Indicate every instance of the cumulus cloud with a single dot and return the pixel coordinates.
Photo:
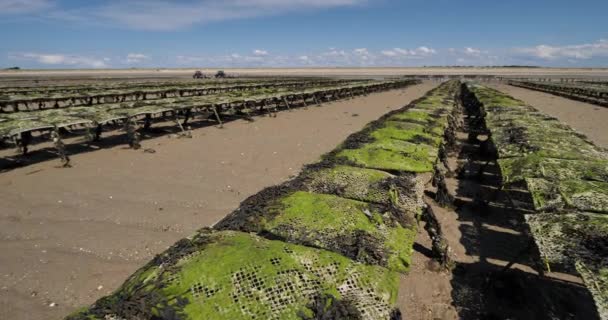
(389, 53)
(472, 52)
(361, 52)
(62, 60)
(334, 53)
(304, 58)
(363, 56)
(338, 57)
(425, 51)
(332, 57)
(260, 53)
(230, 60)
(136, 57)
(419, 52)
(23, 6)
(473, 56)
(577, 52)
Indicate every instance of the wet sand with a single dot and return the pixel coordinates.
(586, 118)
(70, 236)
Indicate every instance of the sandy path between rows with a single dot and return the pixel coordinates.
(70, 236)
(586, 118)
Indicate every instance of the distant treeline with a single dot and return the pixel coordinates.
(489, 67)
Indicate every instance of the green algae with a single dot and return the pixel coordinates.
(519, 130)
(549, 148)
(580, 195)
(563, 237)
(441, 96)
(102, 91)
(14, 123)
(392, 155)
(503, 101)
(355, 183)
(414, 133)
(416, 115)
(233, 275)
(404, 192)
(433, 101)
(490, 97)
(518, 138)
(596, 279)
(586, 195)
(567, 178)
(350, 227)
(406, 141)
(535, 166)
(545, 195)
(576, 242)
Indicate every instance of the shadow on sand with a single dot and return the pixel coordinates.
(114, 135)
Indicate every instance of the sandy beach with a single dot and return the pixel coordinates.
(71, 236)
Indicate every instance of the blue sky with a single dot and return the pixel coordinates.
(280, 33)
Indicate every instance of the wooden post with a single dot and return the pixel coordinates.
(60, 147)
(286, 103)
(98, 132)
(217, 116)
(23, 142)
(315, 98)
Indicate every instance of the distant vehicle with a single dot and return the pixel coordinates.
(220, 74)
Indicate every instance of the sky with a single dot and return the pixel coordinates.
(302, 33)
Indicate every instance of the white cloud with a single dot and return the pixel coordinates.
(363, 56)
(62, 60)
(404, 52)
(231, 60)
(338, 57)
(471, 56)
(472, 52)
(332, 57)
(361, 52)
(23, 6)
(173, 15)
(260, 53)
(334, 53)
(481, 57)
(574, 52)
(304, 60)
(417, 53)
(425, 51)
(136, 57)
(359, 57)
(388, 53)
